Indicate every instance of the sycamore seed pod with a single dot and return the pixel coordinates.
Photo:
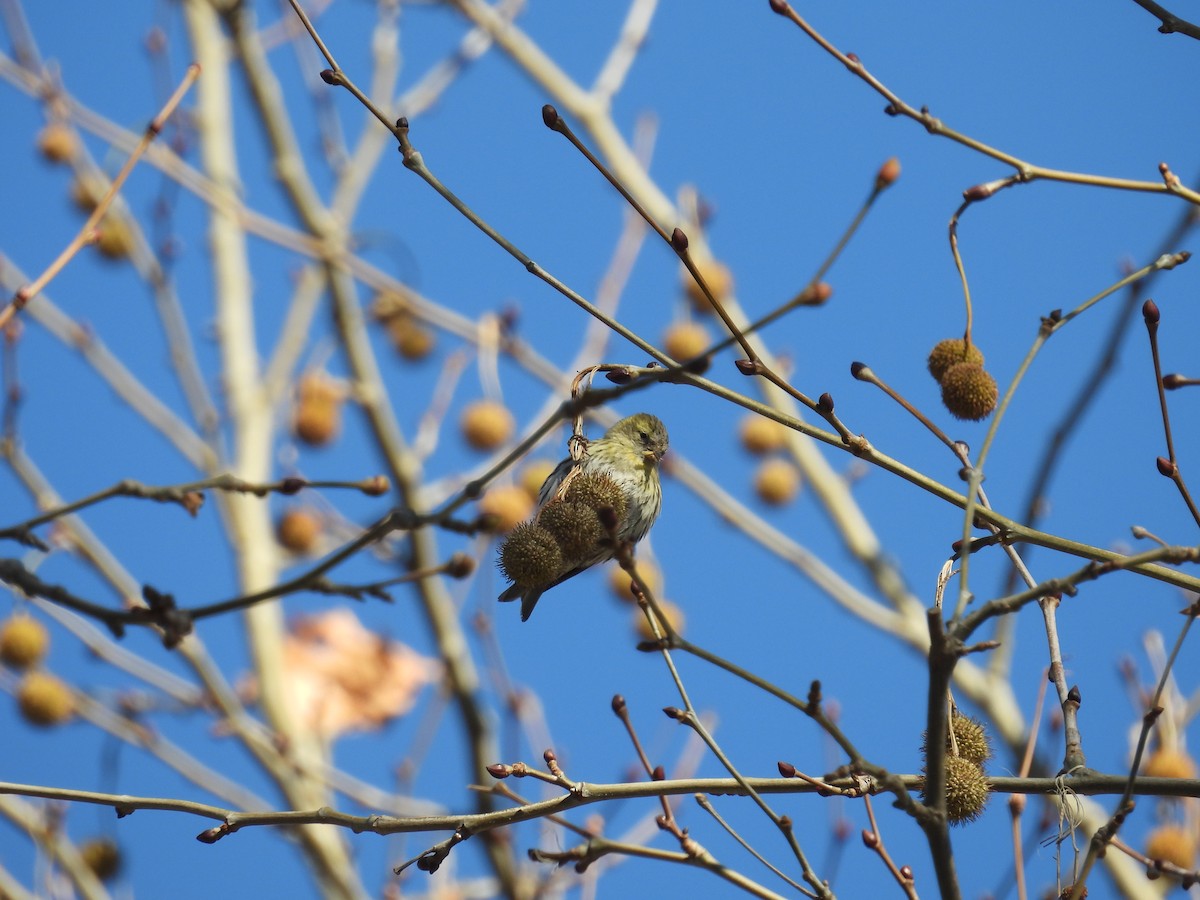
(969, 392)
(966, 791)
(1172, 844)
(949, 353)
(44, 700)
(970, 737)
(530, 555)
(23, 642)
(596, 491)
(575, 526)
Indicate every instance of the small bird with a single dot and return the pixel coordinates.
(628, 455)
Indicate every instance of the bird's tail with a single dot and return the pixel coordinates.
(528, 597)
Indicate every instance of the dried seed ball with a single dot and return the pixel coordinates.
(776, 482)
(530, 555)
(969, 392)
(56, 142)
(761, 436)
(299, 530)
(670, 610)
(1068, 892)
(102, 856)
(84, 196)
(115, 238)
(718, 278)
(951, 352)
(44, 700)
(1170, 762)
(23, 642)
(317, 418)
(684, 340)
(971, 738)
(576, 528)
(534, 475)
(596, 491)
(966, 791)
(487, 425)
(411, 338)
(621, 582)
(506, 507)
(1172, 844)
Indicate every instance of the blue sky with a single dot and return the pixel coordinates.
(784, 144)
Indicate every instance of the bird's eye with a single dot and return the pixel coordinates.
(645, 438)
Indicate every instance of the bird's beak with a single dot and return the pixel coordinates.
(651, 456)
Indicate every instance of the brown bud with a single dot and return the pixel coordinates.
(376, 486)
(1150, 312)
(1166, 468)
(786, 769)
(815, 294)
(888, 173)
(460, 565)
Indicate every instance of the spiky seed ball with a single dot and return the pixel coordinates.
(115, 238)
(684, 340)
(409, 336)
(487, 425)
(776, 482)
(23, 642)
(530, 555)
(1067, 892)
(670, 610)
(949, 353)
(966, 791)
(1170, 762)
(971, 738)
(102, 856)
(761, 436)
(299, 530)
(1172, 844)
(622, 584)
(596, 490)
(534, 475)
(969, 392)
(56, 142)
(44, 700)
(505, 506)
(317, 418)
(576, 528)
(718, 278)
(84, 196)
